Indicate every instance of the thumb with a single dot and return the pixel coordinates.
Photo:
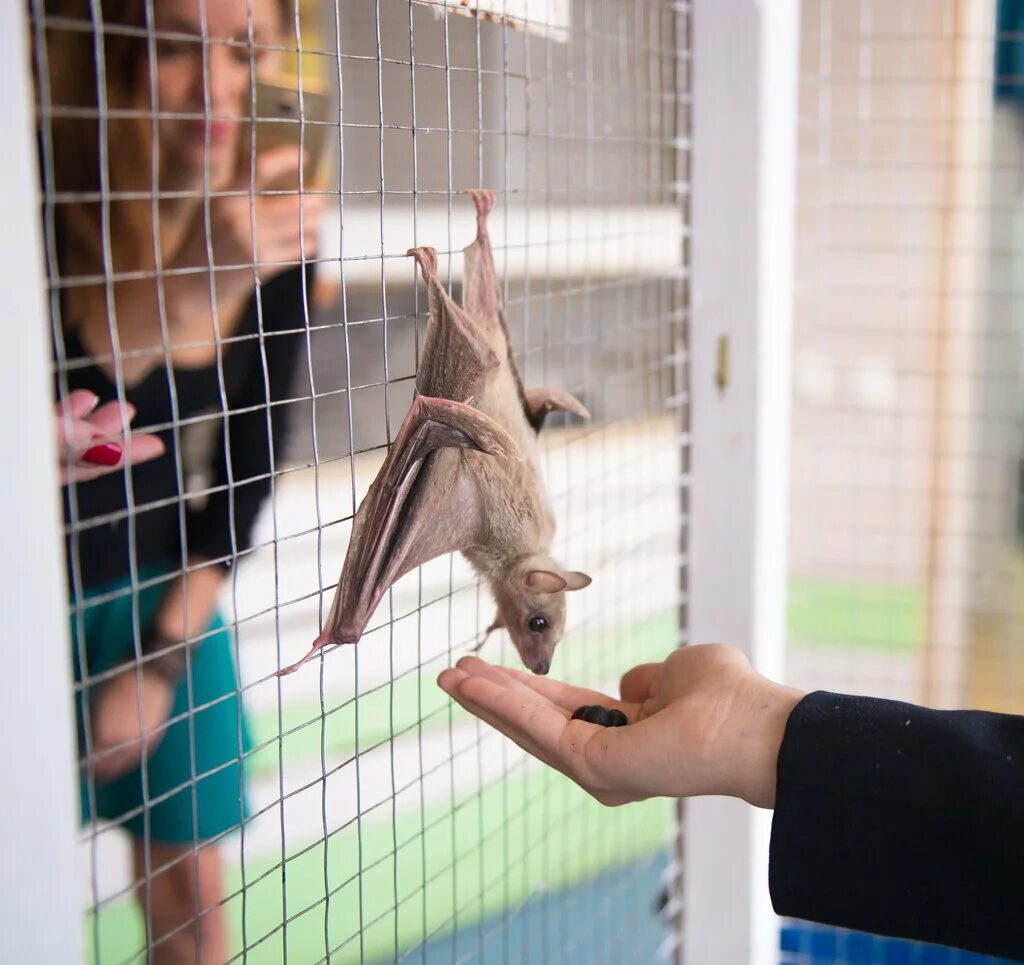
(637, 684)
(273, 165)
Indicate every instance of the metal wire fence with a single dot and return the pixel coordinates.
(233, 267)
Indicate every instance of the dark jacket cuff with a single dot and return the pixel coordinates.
(900, 820)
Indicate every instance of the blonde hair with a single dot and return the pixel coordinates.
(77, 135)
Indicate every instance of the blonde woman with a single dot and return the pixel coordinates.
(158, 215)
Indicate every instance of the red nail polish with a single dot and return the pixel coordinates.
(105, 454)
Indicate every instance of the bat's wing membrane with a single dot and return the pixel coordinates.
(457, 357)
(421, 505)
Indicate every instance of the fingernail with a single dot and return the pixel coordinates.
(105, 454)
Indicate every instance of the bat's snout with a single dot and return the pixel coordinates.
(541, 666)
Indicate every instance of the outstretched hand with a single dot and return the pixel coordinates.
(702, 721)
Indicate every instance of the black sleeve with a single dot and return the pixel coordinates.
(894, 819)
(236, 497)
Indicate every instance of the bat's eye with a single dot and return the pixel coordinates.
(538, 624)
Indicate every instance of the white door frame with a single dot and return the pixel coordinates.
(40, 912)
(745, 58)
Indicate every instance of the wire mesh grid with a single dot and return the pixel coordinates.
(906, 562)
(244, 286)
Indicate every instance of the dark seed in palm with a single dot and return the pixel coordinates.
(602, 716)
(616, 718)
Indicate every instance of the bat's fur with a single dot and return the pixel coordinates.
(462, 473)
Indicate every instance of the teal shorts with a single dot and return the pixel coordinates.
(193, 788)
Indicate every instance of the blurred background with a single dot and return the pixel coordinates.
(907, 471)
(386, 825)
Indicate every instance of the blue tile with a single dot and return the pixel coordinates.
(937, 955)
(823, 945)
(860, 948)
(898, 952)
(790, 939)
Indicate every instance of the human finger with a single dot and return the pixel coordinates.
(545, 735)
(275, 163)
(636, 684)
(111, 417)
(287, 215)
(103, 458)
(141, 447)
(562, 694)
(79, 403)
(523, 714)
(452, 682)
(518, 713)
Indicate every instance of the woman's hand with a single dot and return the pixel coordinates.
(115, 716)
(274, 231)
(90, 441)
(703, 721)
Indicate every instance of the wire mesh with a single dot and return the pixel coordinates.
(263, 320)
(906, 562)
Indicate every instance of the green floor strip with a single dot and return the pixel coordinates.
(877, 617)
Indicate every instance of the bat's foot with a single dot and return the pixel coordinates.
(484, 202)
(602, 716)
(426, 258)
(498, 624)
(542, 400)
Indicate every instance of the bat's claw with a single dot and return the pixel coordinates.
(426, 258)
(484, 202)
(319, 643)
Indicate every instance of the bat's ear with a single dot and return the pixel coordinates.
(545, 581)
(575, 580)
(548, 581)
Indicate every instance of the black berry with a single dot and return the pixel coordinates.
(603, 716)
(616, 718)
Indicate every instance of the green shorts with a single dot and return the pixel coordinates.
(193, 787)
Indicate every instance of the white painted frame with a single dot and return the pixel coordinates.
(40, 911)
(745, 59)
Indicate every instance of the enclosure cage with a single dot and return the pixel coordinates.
(379, 821)
(773, 250)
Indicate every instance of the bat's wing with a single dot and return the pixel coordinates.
(545, 399)
(423, 504)
(457, 358)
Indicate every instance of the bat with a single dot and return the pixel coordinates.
(462, 472)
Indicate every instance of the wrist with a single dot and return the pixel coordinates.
(163, 655)
(765, 707)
